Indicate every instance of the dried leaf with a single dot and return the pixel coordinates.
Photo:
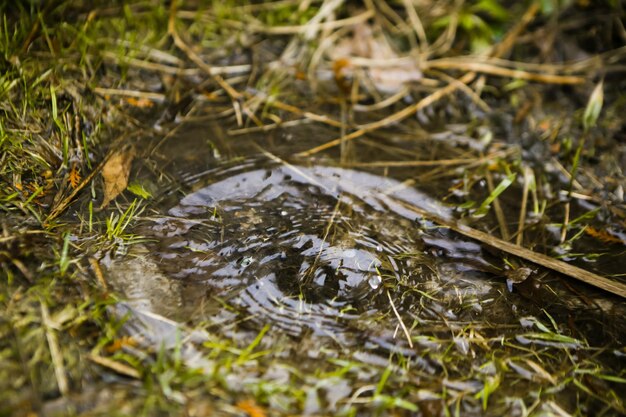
(251, 408)
(74, 177)
(603, 235)
(118, 344)
(115, 173)
(540, 372)
(518, 275)
(339, 70)
(388, 71)
(139, 102)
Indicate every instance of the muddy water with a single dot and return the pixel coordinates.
(336, 267)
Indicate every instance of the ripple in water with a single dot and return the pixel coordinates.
(309, 249)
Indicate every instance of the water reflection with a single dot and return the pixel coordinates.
(310, 249)
(317, 253)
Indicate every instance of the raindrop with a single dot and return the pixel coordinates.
(375, 281)
(246, 261)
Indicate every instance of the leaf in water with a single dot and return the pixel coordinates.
(594, 106)
(139, 190)
(603, 235)
(115, 173)
(491, 384)
(555, 339)
(517, 276)
(504, 184)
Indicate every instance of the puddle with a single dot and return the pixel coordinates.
(334, 266)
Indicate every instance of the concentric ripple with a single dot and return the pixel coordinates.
(305, 249)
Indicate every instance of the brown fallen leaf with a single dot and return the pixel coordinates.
(603, 235)
(118, 344)
(139, 102)
(115, 173)
(74, 177)
(388, 71)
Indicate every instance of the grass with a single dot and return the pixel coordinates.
(77, 79)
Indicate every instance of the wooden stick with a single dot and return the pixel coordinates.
(572, 271)
(395, 312)
(396, 117)
(429, 163)
(503, 72)
(528, 174)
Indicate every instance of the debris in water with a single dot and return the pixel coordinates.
(516, 276)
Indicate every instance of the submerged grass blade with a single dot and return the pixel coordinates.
(501, 187)
(247, 352)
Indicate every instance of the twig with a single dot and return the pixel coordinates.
(404, 329)
(465, 89)
(497, 208)
(267, 127)
(418, 27)
(396, 117)
(97, 270)
(528, 173)
(484, 68)
(434, 162)
(513, 34)
(292, 109)
(572, 271)
(118, 367)
(129, 93)
(383, 103)
(169, 69)
(326, 10)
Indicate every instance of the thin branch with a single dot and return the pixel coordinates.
(614, 287)
(404, 329)
(502, 72)
(396, 117)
